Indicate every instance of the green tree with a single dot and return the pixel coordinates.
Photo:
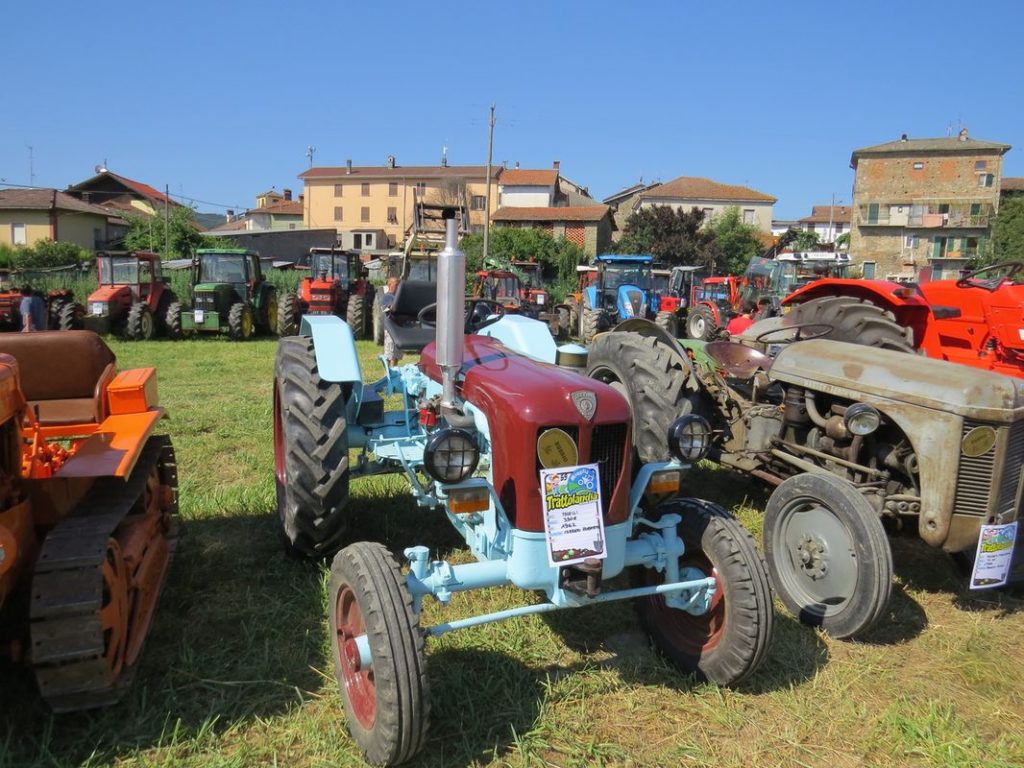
(735, 243)
(44, 254)
(843, 242)
(146, 233)
(1007, 234)
(671, 235)
(806, 240)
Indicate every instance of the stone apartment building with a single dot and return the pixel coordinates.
(923, 204)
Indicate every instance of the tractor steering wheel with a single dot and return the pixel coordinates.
(1007, 270)
(477, 314)
(818, 330)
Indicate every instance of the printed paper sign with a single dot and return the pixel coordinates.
(571, 498)
(995, 553)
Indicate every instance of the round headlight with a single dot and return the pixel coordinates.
(451, 455)
(689, 438)
(861, 419)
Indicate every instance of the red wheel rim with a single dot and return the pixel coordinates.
(692, 634)
(358, 683)
(279, 463)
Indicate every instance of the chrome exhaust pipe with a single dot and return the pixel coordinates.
(451, 317)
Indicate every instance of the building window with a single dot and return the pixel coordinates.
(869, 270)
(980, 165)
(18, 236)
(985, 179)
(368, 238)
(873, 213)
(337, 213)
(421, 188)
(337, 189)
(478, 203)
(911, 241)
(748, 216)
(393, 189)
(971, 247)
(364, 213)
(919, 166)
(357, 241)
(366, 189)
(291, 226)
(392, 215)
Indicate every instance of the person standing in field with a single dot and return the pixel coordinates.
(387, 300)
(33, 311)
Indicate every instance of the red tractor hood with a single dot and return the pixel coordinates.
(107, 293)
(521, 399)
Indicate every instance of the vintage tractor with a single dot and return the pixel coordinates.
(63, 312)
(848, 435)
(337, 285)
(977, 320)
(230, 295)
(133, 299)
(87, 514)
(621, 290)
(531, 463)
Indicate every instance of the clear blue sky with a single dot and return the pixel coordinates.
(219, 100)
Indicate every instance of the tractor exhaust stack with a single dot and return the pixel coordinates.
(451, 310)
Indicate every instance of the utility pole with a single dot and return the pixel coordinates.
(31, 168)
(830, 210)
(167, 221)
(487, 199)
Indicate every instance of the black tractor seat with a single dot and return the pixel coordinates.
(402, 323)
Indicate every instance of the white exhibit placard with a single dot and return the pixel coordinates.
(571, 498)
(994, 556)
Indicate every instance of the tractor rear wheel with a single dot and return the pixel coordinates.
(855, 321)
(70, 316)
(827, 554)
(387, 703)
(355, 316)
(700, 323)
(656, 381)
(667, 322)
(378, 319)
(172, 321)
(726, 644)
(240, 324)
(141, 326)
(289, 312)
(270, 314)
(590, 324)
(310, 451)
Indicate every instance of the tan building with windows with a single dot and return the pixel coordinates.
(712, 198)
(587, 226)
(30, 215)
(923, 204)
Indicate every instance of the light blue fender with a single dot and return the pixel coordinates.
(528, 337)
(336, 358)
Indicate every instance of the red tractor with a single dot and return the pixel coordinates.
(63, 313)
(133, 299)
(337, 285)
(977, 320)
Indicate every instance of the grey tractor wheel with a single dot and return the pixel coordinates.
(728, 643)
(172, 321)
(240, 322)
(656, 381)
(828, 556)
(667, 322)
(70, 317)
(855, 321)
(574, 317)
(310, 451)
(141, 325)
(355, 316)
(289, 314)
(387, 704)
(590, 324)
(378, 320)
(700, 323)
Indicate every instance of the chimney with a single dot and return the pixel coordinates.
(556, 164)
(230, 215)
(517, 165)
(302, 198)
(903, 137)
(391, 161)
(963, 134)
(348, 164)
(287, 195)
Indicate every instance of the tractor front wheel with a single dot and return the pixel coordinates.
(355, 316)
(172, 321)
(590, 324)
(70, 316)
(728, 642)
(289, 312)
(240, 323)
(141, 326)
(700, 323)
(387, 702)
(310, 451)
(667, 322)
(827, 553)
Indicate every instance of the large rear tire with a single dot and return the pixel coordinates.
(356, 315)
(700, 323)
(270, 313)
(172, 321)
(828, 556)
(240, 322)
(726, 644)
(70, 317)
(656, 381)
(289, 313)
(141, 325)
(855, 321)
(310, 451)
(387, 705)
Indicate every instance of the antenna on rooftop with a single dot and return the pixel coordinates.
(310, 151)
(31, 168)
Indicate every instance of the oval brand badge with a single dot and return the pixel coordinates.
(978, 442)
(555, 448)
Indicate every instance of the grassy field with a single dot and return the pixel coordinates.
(236, 671)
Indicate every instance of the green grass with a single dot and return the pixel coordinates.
(237, 673)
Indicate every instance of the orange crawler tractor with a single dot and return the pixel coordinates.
(88, 501)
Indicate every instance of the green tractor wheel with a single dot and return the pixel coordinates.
(240, 322)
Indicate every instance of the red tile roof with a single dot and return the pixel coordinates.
(399, 171)
(528, 178)
(581, 213)
(823, 214)
(283, 208)
(47, 199)
(230, 226)
(143, 190)
(696, 188)
(1012, 183)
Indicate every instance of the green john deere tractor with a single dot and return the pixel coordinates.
(229, 294)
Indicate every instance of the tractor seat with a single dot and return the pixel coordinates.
(64, 374)
(411, 297)
(738, 361)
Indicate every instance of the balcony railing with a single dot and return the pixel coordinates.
(927, 217)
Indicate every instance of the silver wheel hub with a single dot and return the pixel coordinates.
(813, 557)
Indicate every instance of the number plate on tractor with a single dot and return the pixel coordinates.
(96, 308)
(199, 315)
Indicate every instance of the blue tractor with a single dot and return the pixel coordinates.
(532, 463)
(621, 290)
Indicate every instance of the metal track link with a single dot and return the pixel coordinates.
(67, 637)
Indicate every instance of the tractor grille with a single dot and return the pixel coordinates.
(205, 300)
(998, 469)
(607, 450)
